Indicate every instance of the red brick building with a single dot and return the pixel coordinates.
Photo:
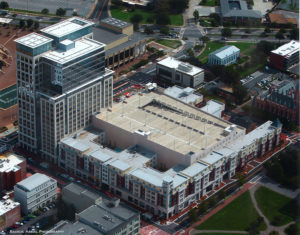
(10, 213)
(12, 170)
(285, 56)
(283, 102)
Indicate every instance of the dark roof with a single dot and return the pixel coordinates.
(277, 123)
(240, 120)
(106, 36)
(133, 39)
(226, 11)
(285, 100)
(73, 228)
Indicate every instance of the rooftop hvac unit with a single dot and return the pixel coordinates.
(185, 67)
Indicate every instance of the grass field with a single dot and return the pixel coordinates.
(122, 14)
(212, 46)
(274, 204)
(238, 215)
(8, 97)
(208, 3)
(169, 43)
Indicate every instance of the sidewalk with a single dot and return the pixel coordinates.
(218, 208)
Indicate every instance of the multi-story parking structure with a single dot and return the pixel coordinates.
(192, 152)
(62, 81)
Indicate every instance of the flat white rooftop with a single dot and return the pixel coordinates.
(287, 49)
(186, 95)
(167, 122)
(225, 51)
(9, 162)
(67, 26)
(186, 68)
(33, 40)
(214, 107)
(34, 181)
(82, 47)
(7, 205)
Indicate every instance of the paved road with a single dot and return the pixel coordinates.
(101, 10)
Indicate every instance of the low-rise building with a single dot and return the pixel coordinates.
(104, 218)
(80, 196)
(186, 95)
(174, 71)
(281, 19)
(12, 170)
(122, 44)
(10, 213)
(285, 56)
(224, 56)
(237, 12)
(214, 107)
(35, 191)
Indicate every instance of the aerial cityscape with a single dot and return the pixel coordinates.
(149, 117)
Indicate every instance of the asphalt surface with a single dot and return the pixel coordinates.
(82, 7)
(101, 10)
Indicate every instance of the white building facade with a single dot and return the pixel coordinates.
(35, 192)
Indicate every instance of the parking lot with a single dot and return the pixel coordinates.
(81, 6)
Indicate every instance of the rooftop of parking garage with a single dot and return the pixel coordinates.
(167, 122)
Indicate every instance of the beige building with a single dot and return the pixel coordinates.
(123, 45)
(162, 154)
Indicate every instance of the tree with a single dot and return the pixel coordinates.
(241, 179)
(203, 207)
(212, 202)
(3, 5)
(178, 6)
(150, 20)
(36, 25)
(45, 11)
(117, 2)
(29, 22)
(226, 32)
(60, 12)
(205, 39)
(279, 35)
(193, 215)
(216, 16)
(209, 76)
(75, 13)
(196, 15)
(218, 70)
(148, 30)
(248, 31)
(292, 230)
(240, 93)
(162, 18)
(282, 30)
(267, 30)
(22, 23)
(136, 18)
(294, 34)
(164, 30)
(222, 194)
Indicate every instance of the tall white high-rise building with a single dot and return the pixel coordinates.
(62, 81)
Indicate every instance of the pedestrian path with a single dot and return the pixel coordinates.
(217, 209)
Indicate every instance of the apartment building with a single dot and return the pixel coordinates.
(62, 81)
(148, 153)
(35, 191)
(173, 71)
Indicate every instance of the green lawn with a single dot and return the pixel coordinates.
(212, 46)
(274, 204)
(238, 215)
(169, 43)
(122, 14)
(208, 3)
